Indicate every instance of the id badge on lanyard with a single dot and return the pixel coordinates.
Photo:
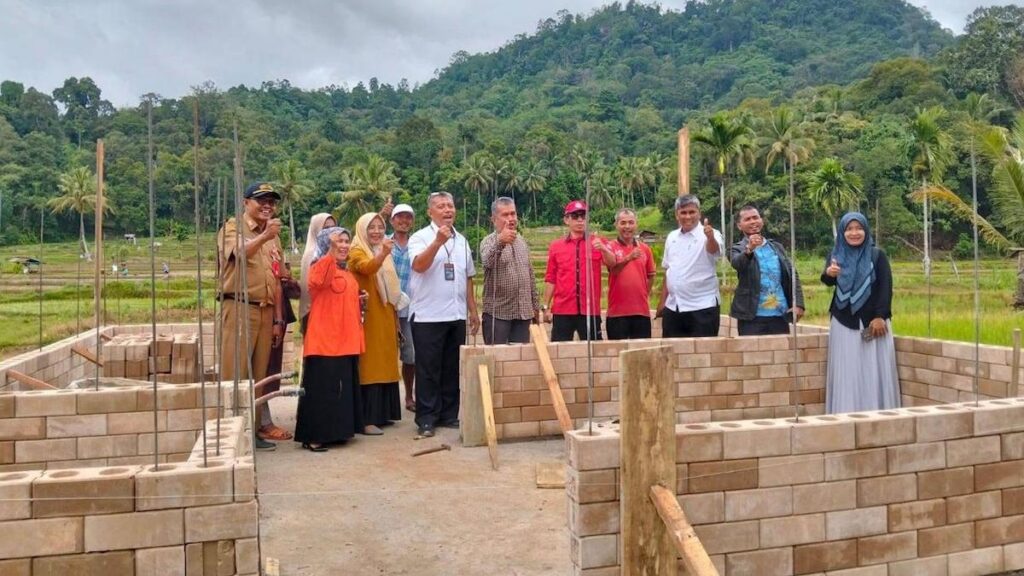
(449, 272)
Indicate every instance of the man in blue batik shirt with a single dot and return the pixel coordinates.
(761, 304)
(402, 217)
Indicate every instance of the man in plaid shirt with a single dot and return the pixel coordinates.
(510, 293)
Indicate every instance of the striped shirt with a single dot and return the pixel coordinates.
(510, 292)
(403, 266)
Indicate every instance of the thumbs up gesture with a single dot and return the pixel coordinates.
(833, 269)
(708, 230)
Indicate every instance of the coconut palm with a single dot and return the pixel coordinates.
(603, 186)
(79, 188)
(293, 186)
(833, 188)
(585, 162)
(535, 178)
(632, 176)
(367, 185)
(729, 142)
(477, 174)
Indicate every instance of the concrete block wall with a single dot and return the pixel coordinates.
(914, 491)
(62, 429)
(182, 518)
(940, 372)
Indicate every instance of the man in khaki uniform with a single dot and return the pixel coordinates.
(264, 310)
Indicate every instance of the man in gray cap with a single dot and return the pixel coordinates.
(402, 217)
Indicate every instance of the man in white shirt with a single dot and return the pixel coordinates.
(689, 305)
(442, 296)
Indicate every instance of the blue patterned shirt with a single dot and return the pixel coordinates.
(403, 266)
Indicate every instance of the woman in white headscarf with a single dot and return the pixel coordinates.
(370, 262)
(311, 253)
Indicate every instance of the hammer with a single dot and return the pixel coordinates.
(440, 448)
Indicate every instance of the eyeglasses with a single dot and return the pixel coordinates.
(577, 215)
(266, 201)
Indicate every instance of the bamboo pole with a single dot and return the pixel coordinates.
(695, 558)
(152, 271)
(557, 400)
(199, 271)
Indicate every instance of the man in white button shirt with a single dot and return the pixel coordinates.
(689, 305)
(442, 295)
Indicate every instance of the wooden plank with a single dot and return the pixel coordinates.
(488, 409)
(684, 161)
(84, 353)
(550, 475)
(33, 383)
(271, 567)
(540, 342)
(472, 409)
(1015, 366)
(695, 558)
(648, 455)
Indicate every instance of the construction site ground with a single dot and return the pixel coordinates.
(368, 508)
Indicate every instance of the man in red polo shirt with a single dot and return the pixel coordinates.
(630, 276)
(576, 295)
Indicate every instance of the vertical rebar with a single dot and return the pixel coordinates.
(218, 326)
(588, 266)
(98, 246)
(238, 255)
(199, 270)
(977, 271)
(152, 272)
(792, 255)
(41, 213)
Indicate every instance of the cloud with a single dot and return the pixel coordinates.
(133, 47)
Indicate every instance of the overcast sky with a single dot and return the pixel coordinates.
(131, 47)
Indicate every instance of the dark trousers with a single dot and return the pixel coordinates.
(565, 326)
(629, 327)
(437, 370)
(498, 331)
(763, 326)
(694, 324)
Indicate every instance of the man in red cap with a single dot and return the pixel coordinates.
(572, 283)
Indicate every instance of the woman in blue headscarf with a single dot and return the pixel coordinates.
(861, 355)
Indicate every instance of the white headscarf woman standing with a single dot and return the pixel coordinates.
(317, 223)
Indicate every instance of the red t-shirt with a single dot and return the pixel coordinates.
(567, 271)
(628, 289)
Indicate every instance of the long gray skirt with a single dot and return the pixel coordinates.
(861, 375)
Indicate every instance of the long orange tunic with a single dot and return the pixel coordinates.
(378, 364)
(333, 328)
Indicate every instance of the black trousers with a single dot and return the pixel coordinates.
(694, 324)
(763, 326)
(437, 370)
(505, 331)
(629, 327)
(565, 326)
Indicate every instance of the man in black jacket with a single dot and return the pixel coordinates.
(764, 293)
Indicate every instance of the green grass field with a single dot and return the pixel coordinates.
(126, 299)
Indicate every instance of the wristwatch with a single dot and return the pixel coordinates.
(279, 322)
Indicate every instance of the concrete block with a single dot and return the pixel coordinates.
(707, 508)
(994, 531)
(916, 515)
(916, 457)
(16, 494)
(45, 403)
(823, 434)
(970, 451)
(76, 426)
(755, 439)
(593, 519)
(697, 443)
(772, 562)
(1013, 556)
(108, 446)
(999, 475)
(6, 404)
(224, 522)
(976, 562)
(789, 470)
(49, 537)
(972, 507)
(934, 566)
(825, 497)
(84, 492)
(1013, 446)
(170, 397)
(594, 551)
(760, 503)
(886, 490)
(942, 483)
(6, 452)
(247, 555)
(886, 548)
(823, 556)
(884, 428)
(22, 428)
(590, 486)
(729, 537)
(44, 450)
(792, 530)
(19, 567)
(167, 561)
(194, 559)
(106, 400)
(1013, 501)
(135, 422)
(595, 452)
(184, 485)
(998, 416)
(856, 464)
(180, 441)
(843, 524)
(103, 564)
(944, 423)
(945, 539)
(134, 530)
(723, 475)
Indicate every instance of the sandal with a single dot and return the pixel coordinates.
(315, 447)
(372, 430)
(272, 432)
(410, 405)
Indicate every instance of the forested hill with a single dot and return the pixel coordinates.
(711, 54)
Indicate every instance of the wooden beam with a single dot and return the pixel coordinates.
(695, 558)
(84, 353)
(1015, 366)
(540, 342)
(471, 417)
(488, 405)
(33, 383)
(648, 455)
(684, 161)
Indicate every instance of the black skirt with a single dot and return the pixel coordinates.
(330, 409)
(382, 404)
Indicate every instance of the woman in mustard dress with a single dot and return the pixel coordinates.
(370, 261)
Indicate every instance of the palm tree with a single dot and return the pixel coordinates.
(535, 178)
(603, 186)
(931, 154)
(513, 173)
(367, 185)
(729, 142)
(294, 187)
(477, 172)
(586, 163)
(632, 176)
(79, 188)
(833, 188)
